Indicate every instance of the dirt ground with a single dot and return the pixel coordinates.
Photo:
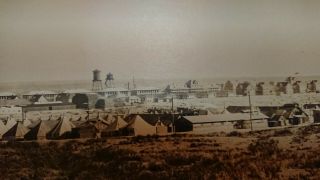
(290, 153)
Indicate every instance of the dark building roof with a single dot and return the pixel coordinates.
(48, 104)
(227, 117)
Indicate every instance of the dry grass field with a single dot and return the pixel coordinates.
(291, 153)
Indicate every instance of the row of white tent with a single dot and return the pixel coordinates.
(65, 127)
(58, 128)
(17, 130)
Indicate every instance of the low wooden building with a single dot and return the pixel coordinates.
(48, 107)
(221, 122)
(316, 116)
(288, 116)
(7, 96)
(48, 95)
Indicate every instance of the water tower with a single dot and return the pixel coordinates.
(96, 82)
(109, 80)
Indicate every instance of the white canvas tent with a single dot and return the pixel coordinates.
(138, 126)
(116, 125)
(16, 132)
(10, 123)
(3, 128)
(62, 129)
(39, 130)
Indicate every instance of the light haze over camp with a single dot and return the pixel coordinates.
(155, 39)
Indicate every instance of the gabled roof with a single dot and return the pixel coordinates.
(36, 98)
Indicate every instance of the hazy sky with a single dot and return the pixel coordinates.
(67, 39)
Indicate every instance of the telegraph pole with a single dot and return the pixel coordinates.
(172, 111)
(250, 109)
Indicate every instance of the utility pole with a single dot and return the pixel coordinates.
(172, 111)
(250, 110)
(24, 115)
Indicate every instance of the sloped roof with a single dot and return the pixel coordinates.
(52, 123)
(223, 117)
(101, 125)
(113, 89)
(79, 121)
(137, 122)
(40, 129)
(10, 123)
(85, 124)
(3, 128)
(36, 98)
(146, 88)
(108, 119)
(80, 118)
(7, 94)
(280, 112)
(75, 91)
(17, 131)
(27, 122)
(39, 93)
(63, 126)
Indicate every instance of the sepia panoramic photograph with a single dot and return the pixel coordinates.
(159, 89)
